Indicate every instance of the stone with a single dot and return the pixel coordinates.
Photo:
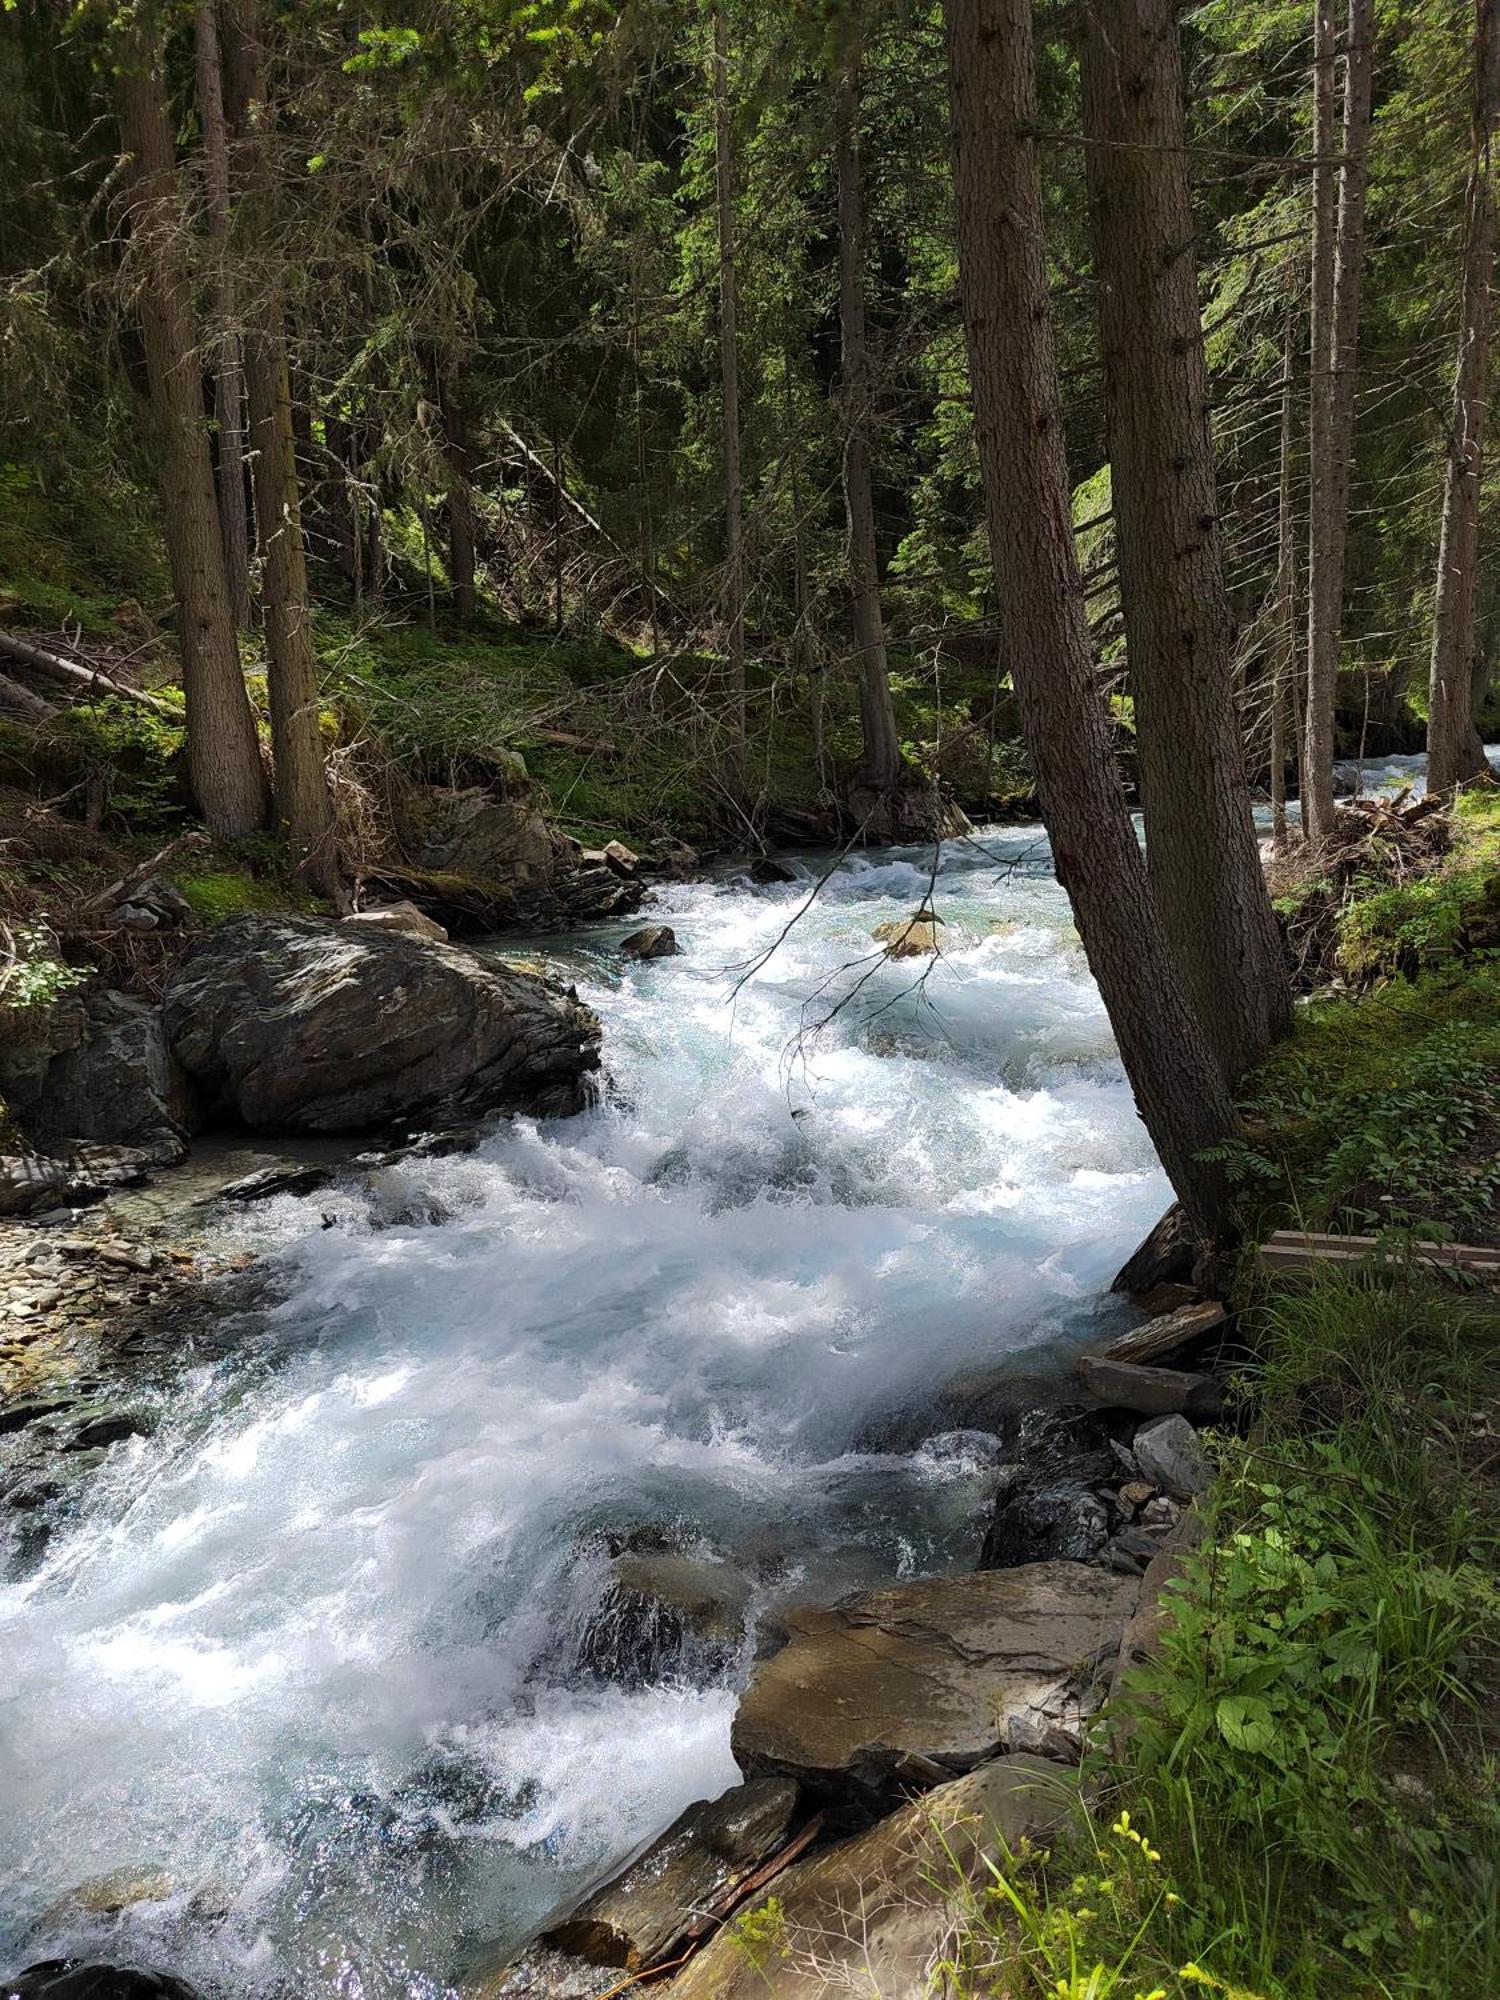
(300, 1024)
(91, 1979)
(1151, 1392)
(654, 941)
(1165, 1333)
(634, 1920)
(1063, 1523)
(490, 840)
(660, 1606)
(109, 1895)
(119, 1083)
(620, 858)
(1171, 1456)
(34, 1038)
(30, 1180)
(402, 916)
(878, 1914)
(951, 1670)
(1166, 1257)
(909, 937)
(767, 871)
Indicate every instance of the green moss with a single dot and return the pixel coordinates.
(223, 891)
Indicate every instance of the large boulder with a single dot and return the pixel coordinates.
(928, 1679)
(90, 1979)
(293, 1024)
(119, 1082)
(879, 1914)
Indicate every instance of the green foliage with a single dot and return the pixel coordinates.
(220, 892)
(759, 1932)
(1415, 924)
(71, 551)
(1380, 1114)
(32, 975)
(1302, 1781)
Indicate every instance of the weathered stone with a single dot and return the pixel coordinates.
(296, 1024)
(951, 1671)
(654, 941)
(1063, 1523)
(1171, 1456)
(878, 1914)
(620, 858)
(30, 1181)
(1166, 1256)
(767, 871)
(633, 1921)
(1151, 1392)
(660, 1605)
(492, 840)
(34, 1038)
(402, 916)
(89, 1979)
(108, 1895)
(118, 1083)
(1165, 1333)
(909, 937)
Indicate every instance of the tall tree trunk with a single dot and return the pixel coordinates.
(459, 500)
(1201, 848)
(729, 362)
(303, 807)
(1338, 269)
(1178, 1083)
(1454, 753)
(229, 371)
(224, 764)
(1284, 635)
(881, 764)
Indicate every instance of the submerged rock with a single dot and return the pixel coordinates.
(1068, 1522)
(925, 1680)
(909, 937)
(660, 1606)
(90, 1979)
(768, 870)
(878, 1914)
(296, 1024)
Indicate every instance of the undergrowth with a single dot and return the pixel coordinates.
(1299, 1797)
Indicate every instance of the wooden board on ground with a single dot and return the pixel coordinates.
(1300, 1253)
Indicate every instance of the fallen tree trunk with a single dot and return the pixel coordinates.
(69, 674)
(20, 701)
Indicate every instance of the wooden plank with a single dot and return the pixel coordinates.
(1301, 1252)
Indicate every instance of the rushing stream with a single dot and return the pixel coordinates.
(318, 1648)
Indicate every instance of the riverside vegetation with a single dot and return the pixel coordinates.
(472, 475)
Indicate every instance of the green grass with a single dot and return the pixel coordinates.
(1383, 1113)
(1304, 1806)
(1412, 926)
(73, 554)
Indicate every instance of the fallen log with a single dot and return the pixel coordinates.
(20, 701)
(594, 746)
(69, 674)
(1165, 1333)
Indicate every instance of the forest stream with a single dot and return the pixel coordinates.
(324, 1649)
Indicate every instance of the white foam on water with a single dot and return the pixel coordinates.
(313, 1647)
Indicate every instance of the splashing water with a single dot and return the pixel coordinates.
(317, 1647)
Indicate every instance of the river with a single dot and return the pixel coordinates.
(317, 1647)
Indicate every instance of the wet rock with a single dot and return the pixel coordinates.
(30, 1180)
(106, 1428)
(296, 1024)
(1164, 1334)
(90, 1979)
(659, 1606)
(876, 1914)
(28, 1410)
(654, 941)
(936, 1675)
(119, 1083)
(280, 1179)
(1067, 1523)
(1151, 1392)
(402, 916)
(909, 937)
(1166, 1257)
(1171, 1456)
(109, 1895)
(634, 1920)
(768, 870)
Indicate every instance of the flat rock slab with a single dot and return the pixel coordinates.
(929, 1679)
(1150, 1392)
(877, 1914)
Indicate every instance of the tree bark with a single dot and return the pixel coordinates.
(1284, 636)
(459, 500)
(880, 768)
(303, 808)
(229, 371)
(1201, 848)
(1338, 268)
(223, 752)
(1178, 1084)
(729, 363)
(1454, 752)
